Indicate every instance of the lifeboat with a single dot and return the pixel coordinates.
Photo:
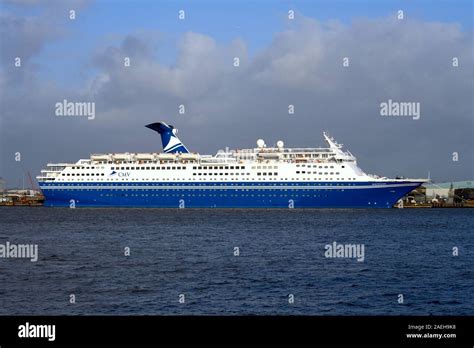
(123, 157)
(269, 155)
(189, 157)
(144, 156)
(100, 157)
(166, 157)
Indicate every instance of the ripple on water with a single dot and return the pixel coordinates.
(281, 252)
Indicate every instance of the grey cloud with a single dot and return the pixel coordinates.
(22, 37)
(25, 36)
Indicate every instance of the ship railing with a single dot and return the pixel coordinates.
(219, 160)
(44, 178)
(51, 171)
(62, 164)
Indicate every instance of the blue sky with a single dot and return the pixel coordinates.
(254, 21)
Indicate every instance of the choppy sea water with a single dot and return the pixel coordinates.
(281, 252)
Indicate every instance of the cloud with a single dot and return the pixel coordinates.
(202, 67)
(407, 60)
(25, 37)
(21, 38)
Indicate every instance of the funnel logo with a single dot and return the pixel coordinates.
(171, 143)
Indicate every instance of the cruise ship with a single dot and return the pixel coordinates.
(260, 177)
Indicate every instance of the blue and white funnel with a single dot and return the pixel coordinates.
(171, 143)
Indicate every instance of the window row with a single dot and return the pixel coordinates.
(219, 167)
(265, 167)
(320, 173)
(83, 174)
(211, 173)
(315, 166)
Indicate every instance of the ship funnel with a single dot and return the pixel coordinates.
(171, 143)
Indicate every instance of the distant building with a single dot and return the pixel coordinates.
(449, 192)
(2, 185)
(451, 195)
(19, 193)
(464, 194)
(446, 190)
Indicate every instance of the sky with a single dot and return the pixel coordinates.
(283, 62)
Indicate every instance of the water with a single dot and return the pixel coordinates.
(191, 252)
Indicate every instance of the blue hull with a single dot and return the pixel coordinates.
(227, 194)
